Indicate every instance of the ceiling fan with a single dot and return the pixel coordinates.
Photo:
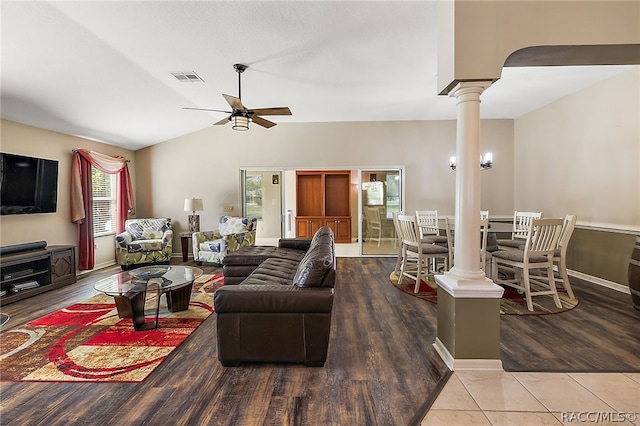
(241, 115)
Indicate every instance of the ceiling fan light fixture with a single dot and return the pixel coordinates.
(240, 123)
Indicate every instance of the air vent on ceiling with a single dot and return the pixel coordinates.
(187, 77)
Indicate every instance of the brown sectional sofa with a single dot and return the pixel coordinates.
(276, 303)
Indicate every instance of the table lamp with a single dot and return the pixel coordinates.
(193, 205)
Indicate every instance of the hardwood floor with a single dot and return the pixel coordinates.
(382, 368)
(602, 334)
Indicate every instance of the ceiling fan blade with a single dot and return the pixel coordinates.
(271, 111)
(207, 109)
(262, 122)
(235, 103)
(223, 121)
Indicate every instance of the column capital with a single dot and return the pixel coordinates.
(467, 87)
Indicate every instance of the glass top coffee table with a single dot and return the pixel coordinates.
(129, 289)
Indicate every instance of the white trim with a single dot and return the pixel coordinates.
(609, 227)
(600, 281)
(465, 364)
(462, 288)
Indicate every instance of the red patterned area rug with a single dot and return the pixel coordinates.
(88, 342)
(512, 302)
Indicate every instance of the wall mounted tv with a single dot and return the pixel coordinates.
(27, 184)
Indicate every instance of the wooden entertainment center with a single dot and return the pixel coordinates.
(33, 271)
(323, 199)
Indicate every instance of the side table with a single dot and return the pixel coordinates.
(185, 237)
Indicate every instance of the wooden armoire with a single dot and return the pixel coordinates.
(322, 198)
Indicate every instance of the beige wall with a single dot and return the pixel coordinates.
(54, 228)
(206, 163)
(476, 37)
(581, 155)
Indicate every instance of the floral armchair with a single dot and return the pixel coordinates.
(144, 241)
(232, 234)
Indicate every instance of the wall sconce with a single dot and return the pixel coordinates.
(193, 205)
(486, 161)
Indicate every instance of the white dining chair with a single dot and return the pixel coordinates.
(376, 227)
(521, 222)
(560, 255)
(449, 224)
(416, 254)
(539, 248)
(429, 227)
(396, 269)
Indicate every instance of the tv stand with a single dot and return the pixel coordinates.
(30, 272)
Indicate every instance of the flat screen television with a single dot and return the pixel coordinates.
(27, 184)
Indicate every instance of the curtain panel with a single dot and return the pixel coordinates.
(82, 198)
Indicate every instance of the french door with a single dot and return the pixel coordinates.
(381, 195)
(262, 199)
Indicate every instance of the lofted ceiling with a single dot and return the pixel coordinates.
(102, 70)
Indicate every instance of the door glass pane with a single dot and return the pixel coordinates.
(381, 197)
(262, 199)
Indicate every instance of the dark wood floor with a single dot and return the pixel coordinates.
(381, 368)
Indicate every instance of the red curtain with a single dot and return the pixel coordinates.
(82, 197)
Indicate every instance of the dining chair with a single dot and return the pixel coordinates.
(449, 224)
(560, 254)
(521, 222)
(429, 227)
(539, 248)
(396, 269)
(374, 226)
(416, 252)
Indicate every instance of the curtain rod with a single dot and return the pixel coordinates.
(76, 150)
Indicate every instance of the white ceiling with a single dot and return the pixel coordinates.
(101, 69)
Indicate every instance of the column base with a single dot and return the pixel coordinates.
(478, 287)
(465, 364)
(468, 322)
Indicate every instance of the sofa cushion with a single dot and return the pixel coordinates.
(147, 229)
(235, 225)
(144, 245)
(214, 246)
(317, 261)
(273, 271)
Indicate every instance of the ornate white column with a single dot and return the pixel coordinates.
(468, 302)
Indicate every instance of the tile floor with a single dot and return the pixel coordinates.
(503, 398)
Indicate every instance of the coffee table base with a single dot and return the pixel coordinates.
(131, 305)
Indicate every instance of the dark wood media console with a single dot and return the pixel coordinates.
(27, 273)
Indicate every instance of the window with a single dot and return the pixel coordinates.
(253, 195)
(104, 202)
(393, 194)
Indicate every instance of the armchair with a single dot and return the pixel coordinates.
(232, 233)
(144, 241)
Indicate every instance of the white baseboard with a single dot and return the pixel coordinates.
(600, 281)
(465, 364)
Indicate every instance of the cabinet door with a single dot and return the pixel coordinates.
(341, 229)
(63, 266)
(302, 228)
(307, 227)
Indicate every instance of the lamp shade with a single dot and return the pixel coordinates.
(193, 205)
(240, 123)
